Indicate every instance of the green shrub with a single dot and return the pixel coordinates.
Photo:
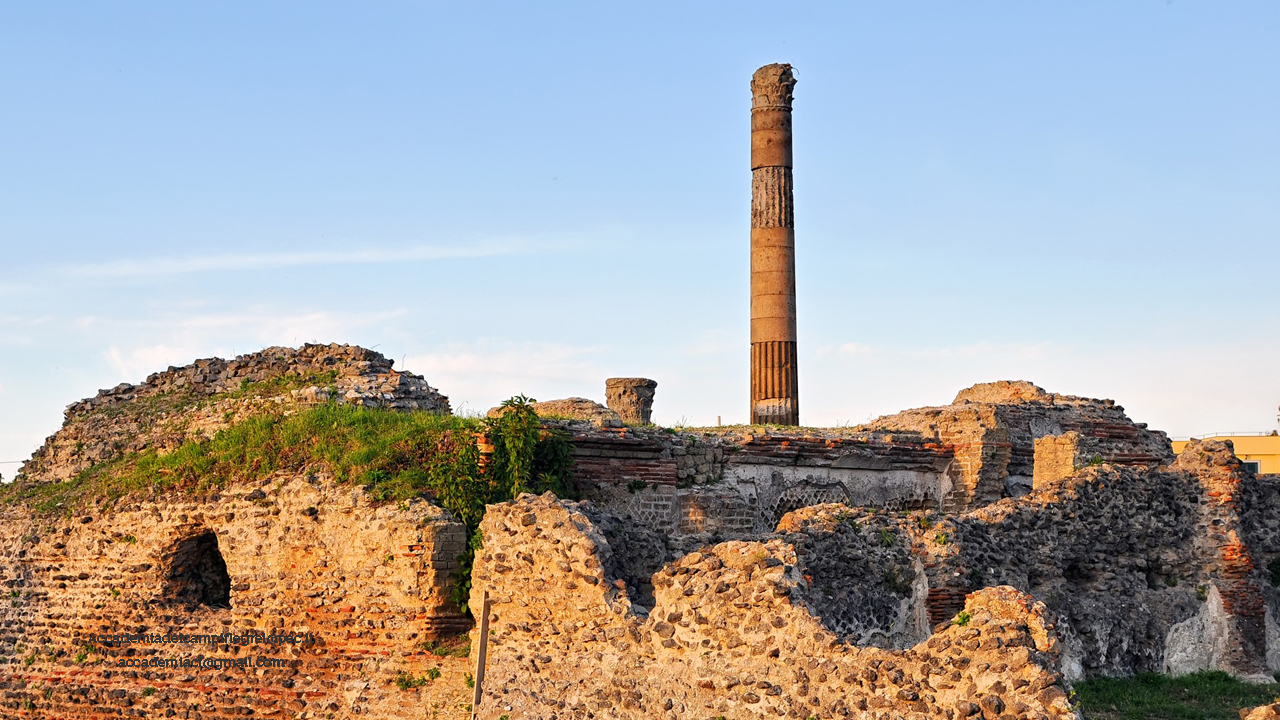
(527, 458)
(406, 681)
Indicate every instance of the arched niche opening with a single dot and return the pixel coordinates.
(196, 573)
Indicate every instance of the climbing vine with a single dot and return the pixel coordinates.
(526, 457)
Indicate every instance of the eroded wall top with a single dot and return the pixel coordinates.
(198, 399)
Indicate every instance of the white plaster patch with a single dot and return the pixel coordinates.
(1072, 659)
(1273, 641)
(919, 629)
(1200, 642)
(859, 487)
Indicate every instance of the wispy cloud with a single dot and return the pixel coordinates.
(274, 261)
(23, 320)
(1015, 351)
(20, 331)
(7, 288)
(478, 375)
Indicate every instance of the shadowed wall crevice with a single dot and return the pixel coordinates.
(196, 573)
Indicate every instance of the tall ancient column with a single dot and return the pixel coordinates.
(774, 379)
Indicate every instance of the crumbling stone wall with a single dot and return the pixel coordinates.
(862, 580)
(300, 554)
(714, 573)
(713, 485)
(992, 429)
(1257, 499)
(1140, 569)
(992, 442)
(209, 394)
(1149, 570)
(729, 634)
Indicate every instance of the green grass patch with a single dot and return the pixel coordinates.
(283, 384)
(409, 681)
(1201, 696)
(394, 455)
(150, 407)
(459, 646)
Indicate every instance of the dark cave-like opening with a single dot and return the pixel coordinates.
(197, 573)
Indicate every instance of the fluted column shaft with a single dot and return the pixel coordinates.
(774, 375)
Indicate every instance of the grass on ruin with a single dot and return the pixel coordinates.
(153, 407)
(282, 385)
(1201, 696)
(458, 646)
(395, 455)
(149, 408)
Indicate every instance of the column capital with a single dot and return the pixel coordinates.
(771, 87)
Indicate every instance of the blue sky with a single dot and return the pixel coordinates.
(529, 198)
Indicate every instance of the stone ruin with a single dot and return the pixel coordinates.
(969, 560)
(631, 398)
(989, 444)
(205, 396)
(961, 561)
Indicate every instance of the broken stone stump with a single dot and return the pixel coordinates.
(631, 398)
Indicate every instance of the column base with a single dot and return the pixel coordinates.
(774, 383)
